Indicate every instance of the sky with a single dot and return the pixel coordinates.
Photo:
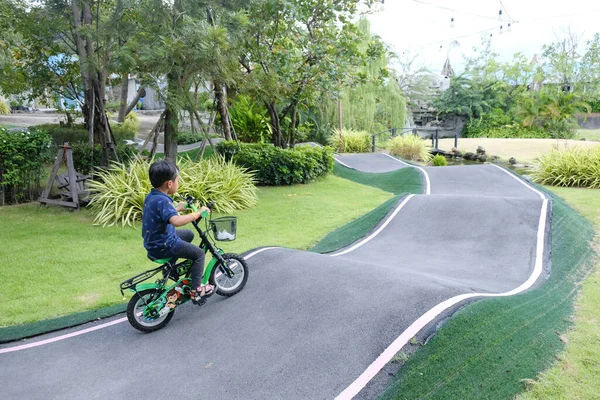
(420, 27)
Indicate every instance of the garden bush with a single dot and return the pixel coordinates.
(409, 147)
(499, 125)
(4, 108)
(577, 166)
(23, 155)
(439, 161)
(118, 195)
(77, 133)
(189, 138)
(351, 141)
(84, 159)
(275, 166)
(130, 125)
(250, 121)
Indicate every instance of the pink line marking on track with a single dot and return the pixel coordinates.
(61, 337)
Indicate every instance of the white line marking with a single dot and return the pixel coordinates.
(345, 165)
(427, 182)
(94, 328)
(371, 236)
(385, 357)
(521, 182)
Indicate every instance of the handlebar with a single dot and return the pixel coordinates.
(190, 205)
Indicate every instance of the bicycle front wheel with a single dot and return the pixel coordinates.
(228, 286)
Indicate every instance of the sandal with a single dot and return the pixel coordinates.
(203, 292)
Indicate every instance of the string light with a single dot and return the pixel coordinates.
(452, 22)
(440, 48)
(500, 16)
(501, 30)
(509, 29)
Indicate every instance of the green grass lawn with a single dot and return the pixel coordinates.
(60, 263)
(588, 134)
(576, 373)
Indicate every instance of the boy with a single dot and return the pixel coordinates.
(159, 219)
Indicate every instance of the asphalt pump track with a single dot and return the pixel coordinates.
(308, 325)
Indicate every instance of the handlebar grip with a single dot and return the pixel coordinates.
(204, 214)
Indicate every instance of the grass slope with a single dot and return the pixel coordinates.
(405, 180)
(577, 372)
(487, 349)
(400, 182)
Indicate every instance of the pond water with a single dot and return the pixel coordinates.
(521, 169)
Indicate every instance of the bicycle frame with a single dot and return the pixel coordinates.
(135, 283)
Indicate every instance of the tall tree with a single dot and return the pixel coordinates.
(295, 50)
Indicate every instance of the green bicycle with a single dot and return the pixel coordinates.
(153, 304)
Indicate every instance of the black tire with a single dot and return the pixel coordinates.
(138, 321)
(229, 286)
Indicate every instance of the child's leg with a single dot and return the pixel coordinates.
(196, 254)
(185, 234)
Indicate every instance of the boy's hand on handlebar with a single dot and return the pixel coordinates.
(204, 209)
(181, 206)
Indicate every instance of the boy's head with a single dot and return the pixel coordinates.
(164, 174)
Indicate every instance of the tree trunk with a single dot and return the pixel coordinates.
(292, 140)
(275, 125)
(171, 118)
(140, 93)
(93, 83)
(124, 94)
(221, 97)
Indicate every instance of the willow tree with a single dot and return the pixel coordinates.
(372, 101)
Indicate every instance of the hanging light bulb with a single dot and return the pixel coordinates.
(508, 28)
(501, 30)
(440, 48)
(452, 22)
(500, 15)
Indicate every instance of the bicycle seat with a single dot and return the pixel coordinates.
(162, 260)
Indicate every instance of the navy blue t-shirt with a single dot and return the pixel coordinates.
(159, 235)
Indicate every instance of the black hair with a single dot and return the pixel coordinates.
(161, 172)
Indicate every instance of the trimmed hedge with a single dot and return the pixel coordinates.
(275, 166)
(84, 159)
(78, 134)
(23, 155)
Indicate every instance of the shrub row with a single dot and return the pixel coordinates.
(275, 166)
(84, 158)
(577, 166)
(118, 195)
(500, 125)
(23, 155)
(77, 133)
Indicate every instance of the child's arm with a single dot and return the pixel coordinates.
(180, 220)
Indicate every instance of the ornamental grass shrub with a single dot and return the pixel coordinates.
(439, 161)
(576, 166)
(409, 147)
(4, 108)
(118, 193)
(351, 141)
(275, 166)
